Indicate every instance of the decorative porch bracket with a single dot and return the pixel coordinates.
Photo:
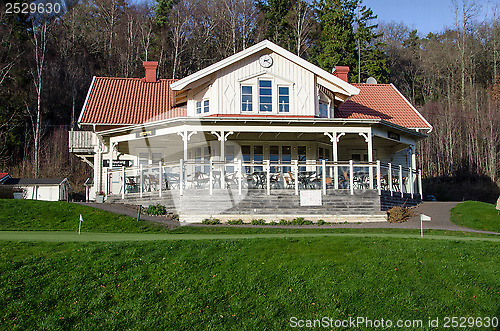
(185, 138)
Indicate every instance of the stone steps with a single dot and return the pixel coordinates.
(337, 206)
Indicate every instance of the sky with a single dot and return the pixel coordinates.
(425, 15)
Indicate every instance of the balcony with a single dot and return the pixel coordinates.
(81, 142)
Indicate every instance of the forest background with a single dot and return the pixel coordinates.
(47, 63)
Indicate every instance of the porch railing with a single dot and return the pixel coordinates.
(266, 175)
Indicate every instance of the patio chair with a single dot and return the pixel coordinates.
(329, 182)
(344, 181)
(274, 180)
(291, 178)
(288, 181)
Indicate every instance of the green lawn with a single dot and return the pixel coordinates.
(476, 215)
(63, 216)
(243, 284)
(231, 278)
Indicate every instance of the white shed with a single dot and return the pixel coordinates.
(47, 189)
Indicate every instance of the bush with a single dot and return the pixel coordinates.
(321, 222)
(273, 223)
(399, 214)
(284, 222)
(156, 210)
(235, 222)
(211, 221)
(258, 222)
(300, 221)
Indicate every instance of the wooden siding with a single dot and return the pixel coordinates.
(225, 97)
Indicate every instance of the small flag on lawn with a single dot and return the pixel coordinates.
(80, 224)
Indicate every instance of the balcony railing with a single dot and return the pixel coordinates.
(81, 142)
(238, 175)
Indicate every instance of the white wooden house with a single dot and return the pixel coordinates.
(260, 126)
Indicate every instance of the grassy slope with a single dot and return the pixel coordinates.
(44, 215)
(476, 215)
(246, 284)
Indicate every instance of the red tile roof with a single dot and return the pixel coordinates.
(128, 101)
(382, 101)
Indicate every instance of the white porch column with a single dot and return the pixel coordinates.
(368, 139)
(351, 178)
(222, 137)
(334, 139)
(420, 184)
(141, 182)
(296, 175)
(240, 176)
(413, 170)
(98, 168)
(181, 177)
(124, 183)
(211, 176)
(401, 179)
(390, 177)
(379, 180)
(268, 176)
(106, 181)
(186, 136)
(323, 164)
(160, 178)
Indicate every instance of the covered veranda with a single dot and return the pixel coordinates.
(265, 154)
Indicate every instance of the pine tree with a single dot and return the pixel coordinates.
(370, 59)
(341, 44)
(278, 29)
(337, 43)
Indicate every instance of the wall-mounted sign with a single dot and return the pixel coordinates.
(143, 133)
(117, 163)
(393, 135)
(310, 198)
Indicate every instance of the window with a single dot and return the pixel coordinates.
(143, 158)
(206, 106)
(302, 156)
(198, 107)
(286, 157)
(274, 157)
(246, 98)
(258, 156)
(156, 157)
(323, 109)
(284, 99)
(265, 96)
(246, 154)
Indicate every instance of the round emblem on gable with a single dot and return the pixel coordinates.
(266, 61)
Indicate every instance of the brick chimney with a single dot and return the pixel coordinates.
(341, 72)
(150, 68)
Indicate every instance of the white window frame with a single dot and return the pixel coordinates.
(289, 98)
(253, 99)
(273, 93)
(206, 105)
(196, 108)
